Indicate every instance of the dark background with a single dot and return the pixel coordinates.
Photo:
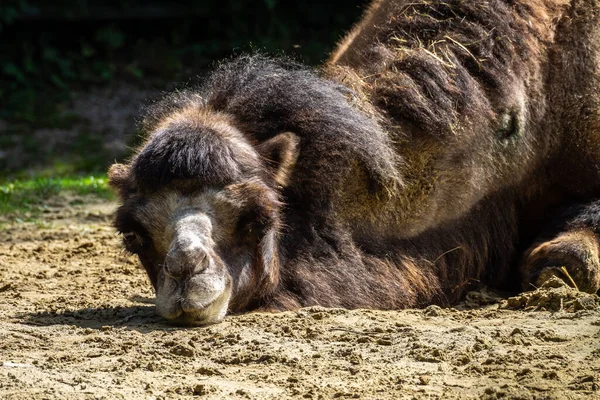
(73, 73)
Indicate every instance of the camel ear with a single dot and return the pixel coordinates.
(118, 176)
(280, 153)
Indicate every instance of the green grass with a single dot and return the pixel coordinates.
(21, 196)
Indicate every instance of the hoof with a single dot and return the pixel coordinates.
(571, 256)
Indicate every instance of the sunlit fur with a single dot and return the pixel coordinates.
(419, 162)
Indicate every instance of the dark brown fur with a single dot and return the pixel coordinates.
(421, 161)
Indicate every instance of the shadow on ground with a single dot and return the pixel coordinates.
(141, 318)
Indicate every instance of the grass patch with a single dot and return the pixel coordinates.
(22, 196)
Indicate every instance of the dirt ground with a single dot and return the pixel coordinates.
(77, 321)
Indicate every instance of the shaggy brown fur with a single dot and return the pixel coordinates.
(422, 160)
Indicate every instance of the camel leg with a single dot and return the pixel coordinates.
(570, 250)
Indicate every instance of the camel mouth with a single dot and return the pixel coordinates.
(201, 300)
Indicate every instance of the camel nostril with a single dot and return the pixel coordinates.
(201, 263)
(172, 271)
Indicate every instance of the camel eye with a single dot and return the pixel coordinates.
(251, 222)
(132, 241)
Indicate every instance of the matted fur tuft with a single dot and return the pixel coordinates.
(270, 96)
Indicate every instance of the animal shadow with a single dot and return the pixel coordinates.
(141, 317)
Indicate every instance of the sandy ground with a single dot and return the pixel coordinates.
(77, 321)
